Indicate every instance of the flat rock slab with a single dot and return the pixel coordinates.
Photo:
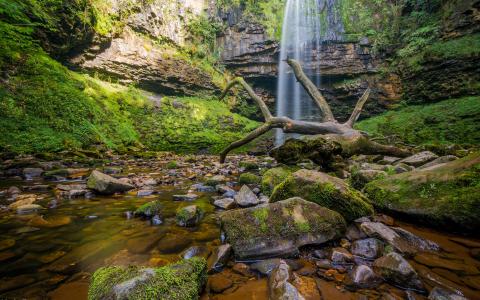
(279, 229)
(419, 159)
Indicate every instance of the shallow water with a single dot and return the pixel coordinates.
(51, 254)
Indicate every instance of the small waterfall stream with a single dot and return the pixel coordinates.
(306, 25)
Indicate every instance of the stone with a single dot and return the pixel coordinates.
(219, 258)
(224, 189)
(273, 177)
(419, 159)
(21, 200)
(149, 209)
(219, 283)
(16, 282)
(279, 286)
(279, 229)
(225, 203)
(187, 197)
(320, 253)
(353, 233)
(438, 293)
(13, 190)
(388, 160)
(105, 184)
(189, 216)
(143, 193)
(325, 190)
(362, 277)
(428, 196)
(248, 178)
(182, 280)
(50, 222)
(362, 177)
(324, 264)
(30, 173)
(203, 188)
(396, 270)
(173, 243)
(242, 269)
(457, 266)
(306, 286)
(402, 240)
(7, 243)
(438, 161)
(341, 256)
(193, 251)
(245, 197)
(215, 180)
(142, 245)
(29, 208)
(370, 248)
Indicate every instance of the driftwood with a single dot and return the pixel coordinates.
(351, 140)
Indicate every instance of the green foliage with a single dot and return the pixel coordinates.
(172, 164)
(454, 121)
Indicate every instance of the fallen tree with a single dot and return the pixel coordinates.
(351, 140)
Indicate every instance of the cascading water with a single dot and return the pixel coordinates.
(306, 25)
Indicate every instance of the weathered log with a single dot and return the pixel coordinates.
(352, 140)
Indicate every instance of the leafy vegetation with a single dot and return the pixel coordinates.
(454, 121)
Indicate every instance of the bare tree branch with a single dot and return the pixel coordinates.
(311, 90)
(358, 108)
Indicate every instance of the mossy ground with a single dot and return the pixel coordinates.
(181, 281)
(444, 196)
(350, 203)
(454, 121)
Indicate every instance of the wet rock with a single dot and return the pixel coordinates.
(320, 253)
(219, 258)
(192, 251)
(444, 294)
(306, 286)
(325, 190)
(404, 243)
(50, 257)
(7, 284)
(30, 173)
(202, 188)
(419, 159)
(7, 243)
(242, 269)
(257, 232)
(185, 280)
(353, 233)
(143, 193)
(438, 161)
(465, 242)
(187, 197)
(362, 276)
(246, 197)
(395, 269)
(341, 256)
(265, 266)
(215, 180)
(225, 190)
(219, 283)
(13, 190)
(156, 220)
(457, 266)
(50, 222)
(172, 243)
(389, 221)
(189, 216)
(105, 184)
(279, 286)
(29, 208)
(21, 200)
(368, 248)
(142, 245)
(225, 203)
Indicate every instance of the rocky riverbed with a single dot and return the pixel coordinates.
(63, 221)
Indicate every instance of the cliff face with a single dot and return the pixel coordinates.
(146, 49)
(345, 68)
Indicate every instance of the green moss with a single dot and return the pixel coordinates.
(181, 281)
(248, 165)
(172, 164)
(261, 216)
(273, 177)
(350, 203)
(248, 178)
(149, 209)
(454, 121)
(444, 196)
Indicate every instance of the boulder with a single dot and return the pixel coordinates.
(189, 216)
(183, 280)
(225, 203)
(106, 185)
(149, 209)
(325, 190)
(419, 159)
(186, 197)
(248, 178)
(279, 286)
(279, 229)
(367, 248)
(396, 270)
(341, 256)
(273, 177)
(30, 173)
(438, 293)
(360, 178)
(443, 196)
(440, 160)
(316, 148)
(219, 258)
(362, 276)
(246, 197)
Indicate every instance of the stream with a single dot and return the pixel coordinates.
(52, 253)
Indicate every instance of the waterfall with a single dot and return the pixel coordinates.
(306, 25)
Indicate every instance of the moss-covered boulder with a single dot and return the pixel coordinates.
(279, 229)
(273, 177)
(106, 185)
(447, 194)
(316, 148)
(181, 281)
(248, 178)
(148, 209)
(325, 190)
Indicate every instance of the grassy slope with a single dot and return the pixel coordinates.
(45, 107)
(454, 121)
